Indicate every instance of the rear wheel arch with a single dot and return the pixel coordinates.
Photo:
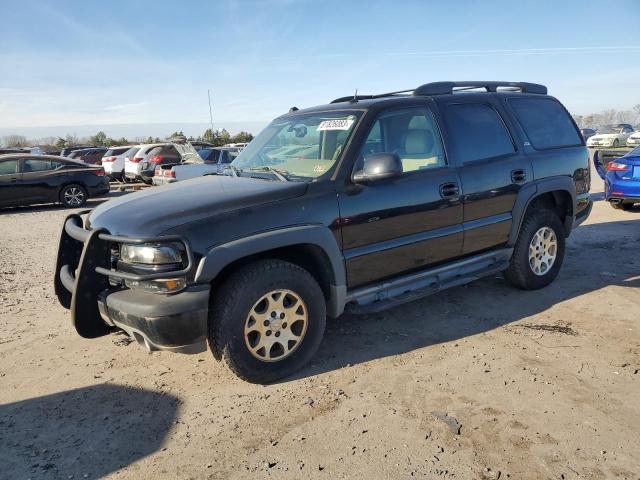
(556, 194)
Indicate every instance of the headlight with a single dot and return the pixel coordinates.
(150, 254)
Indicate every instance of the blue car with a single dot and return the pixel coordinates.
(621, 179)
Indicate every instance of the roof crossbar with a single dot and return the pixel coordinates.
(444, 88)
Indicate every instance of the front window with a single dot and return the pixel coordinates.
(300, 147)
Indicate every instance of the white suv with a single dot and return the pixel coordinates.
(113, 161)
(133, 166)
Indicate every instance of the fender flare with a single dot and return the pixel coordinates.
(220, 256)
(531, 191)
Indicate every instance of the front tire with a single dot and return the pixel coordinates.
(73, 196)
(539, 251)
(616, 143)
(267, 320)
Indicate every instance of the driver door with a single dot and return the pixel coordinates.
(404, 223)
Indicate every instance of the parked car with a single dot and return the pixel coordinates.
(408, 194)
(12, 150)
(622, 180)
(211, 160)
(634, 139)
(587, 133)
(91, 156)
(113, 161)
(27, 179)
(611, 136)
(133, 165)
(65, 152)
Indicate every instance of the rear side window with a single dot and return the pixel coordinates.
(477, 132)
(38, 165)
(8, 167)
(546, 123)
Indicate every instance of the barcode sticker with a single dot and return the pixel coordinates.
(336, 124)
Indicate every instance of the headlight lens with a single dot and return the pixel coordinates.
(150, 254)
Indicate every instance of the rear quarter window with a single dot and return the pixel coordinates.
(546, 123)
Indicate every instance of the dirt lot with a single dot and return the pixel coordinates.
(482, 381)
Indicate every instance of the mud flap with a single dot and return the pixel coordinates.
(88, 285)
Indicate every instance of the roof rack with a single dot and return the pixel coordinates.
(444, 88)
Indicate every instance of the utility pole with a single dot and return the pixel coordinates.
(210, 112)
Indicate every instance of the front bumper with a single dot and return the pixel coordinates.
(176, 322)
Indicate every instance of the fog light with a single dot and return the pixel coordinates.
(168, 285)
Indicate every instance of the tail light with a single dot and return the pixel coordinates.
(135, 159)
(98, 171)
(170, 173)
(108, 159)
(617, 167)
(158, 171)
(156, 159)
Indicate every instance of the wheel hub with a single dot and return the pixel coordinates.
(276, 325)
(543, 250)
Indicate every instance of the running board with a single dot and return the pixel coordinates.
(405, 289)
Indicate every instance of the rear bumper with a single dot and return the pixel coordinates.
(176, 322)
(159, 180)
(584, 205)
(100, 188)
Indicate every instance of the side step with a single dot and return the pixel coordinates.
(390, 293)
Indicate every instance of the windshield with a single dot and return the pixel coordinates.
(300, 147)
(609, 129)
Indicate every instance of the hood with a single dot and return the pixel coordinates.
(157, 209)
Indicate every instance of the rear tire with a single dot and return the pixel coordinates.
(73, 196)
(539, 251)
(248, 320)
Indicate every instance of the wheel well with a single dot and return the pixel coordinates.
(66, 184)
(310, 257)
(558, 201)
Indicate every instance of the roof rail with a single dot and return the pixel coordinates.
(444, 88)
(369, 97)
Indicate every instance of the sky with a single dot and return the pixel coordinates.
(90, 62)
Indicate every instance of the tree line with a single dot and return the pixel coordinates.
(101, 139)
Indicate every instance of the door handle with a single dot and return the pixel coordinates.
(449, 190)
(13, 180)
(518, 176)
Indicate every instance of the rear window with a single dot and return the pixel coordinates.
(115, 151)
(546, 123)
(477, 132)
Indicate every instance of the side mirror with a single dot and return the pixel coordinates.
(378, 166)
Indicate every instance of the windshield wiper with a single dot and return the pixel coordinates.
(279, 175)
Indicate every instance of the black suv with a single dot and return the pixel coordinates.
(359, 205)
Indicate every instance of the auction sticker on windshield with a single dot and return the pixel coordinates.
(336, 124)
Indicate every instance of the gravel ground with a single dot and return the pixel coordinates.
(481, 381)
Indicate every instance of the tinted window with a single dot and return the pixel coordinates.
(38, 165)
(8, 167)
(546, 123)
(411, 133)
(477, 132)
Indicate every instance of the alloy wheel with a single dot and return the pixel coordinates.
(543, 250)
(276, 325)
(74, 196)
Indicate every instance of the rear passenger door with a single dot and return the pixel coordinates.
(492, 169)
